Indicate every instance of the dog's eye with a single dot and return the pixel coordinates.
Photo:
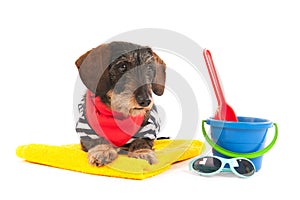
(122, 68)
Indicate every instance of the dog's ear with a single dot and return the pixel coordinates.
(79, 61)
(93, 69)
(158, 85)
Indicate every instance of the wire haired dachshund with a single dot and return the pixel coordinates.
(117, 113)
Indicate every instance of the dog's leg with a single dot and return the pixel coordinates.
(100, 152)
(142, 148)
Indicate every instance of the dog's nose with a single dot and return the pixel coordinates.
(143, 101)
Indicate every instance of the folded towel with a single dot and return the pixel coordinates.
(71, 157)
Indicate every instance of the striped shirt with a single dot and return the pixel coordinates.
(149, 131)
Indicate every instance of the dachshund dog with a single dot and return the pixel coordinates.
(117, 113)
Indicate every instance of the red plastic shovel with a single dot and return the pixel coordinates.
(224, 111)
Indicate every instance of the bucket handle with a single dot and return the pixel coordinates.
(234, 154)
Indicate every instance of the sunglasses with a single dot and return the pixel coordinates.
(210, 165)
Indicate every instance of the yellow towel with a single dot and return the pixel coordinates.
(71, 157)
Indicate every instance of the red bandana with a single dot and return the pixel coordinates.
(113, 126)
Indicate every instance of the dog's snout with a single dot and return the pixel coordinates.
(143, 101)
(143, 96)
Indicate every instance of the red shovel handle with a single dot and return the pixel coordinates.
(214, 76)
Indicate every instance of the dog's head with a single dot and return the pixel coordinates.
(123, 75)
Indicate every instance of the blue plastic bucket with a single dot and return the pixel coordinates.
(248, 135)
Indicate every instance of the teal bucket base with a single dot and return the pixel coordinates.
(245, 138)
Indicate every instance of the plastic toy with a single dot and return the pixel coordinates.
(245, 138)
(224, 111)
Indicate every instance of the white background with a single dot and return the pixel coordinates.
(255, 46)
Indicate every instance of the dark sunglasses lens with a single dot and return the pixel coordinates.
(207, 164)
(245, 167)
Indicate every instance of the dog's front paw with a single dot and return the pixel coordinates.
(146, 154)
(102, 154)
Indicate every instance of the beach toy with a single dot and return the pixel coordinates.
(224, 111)
(245, 138)
(235, 136)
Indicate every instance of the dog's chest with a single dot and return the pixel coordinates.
(116, 131)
